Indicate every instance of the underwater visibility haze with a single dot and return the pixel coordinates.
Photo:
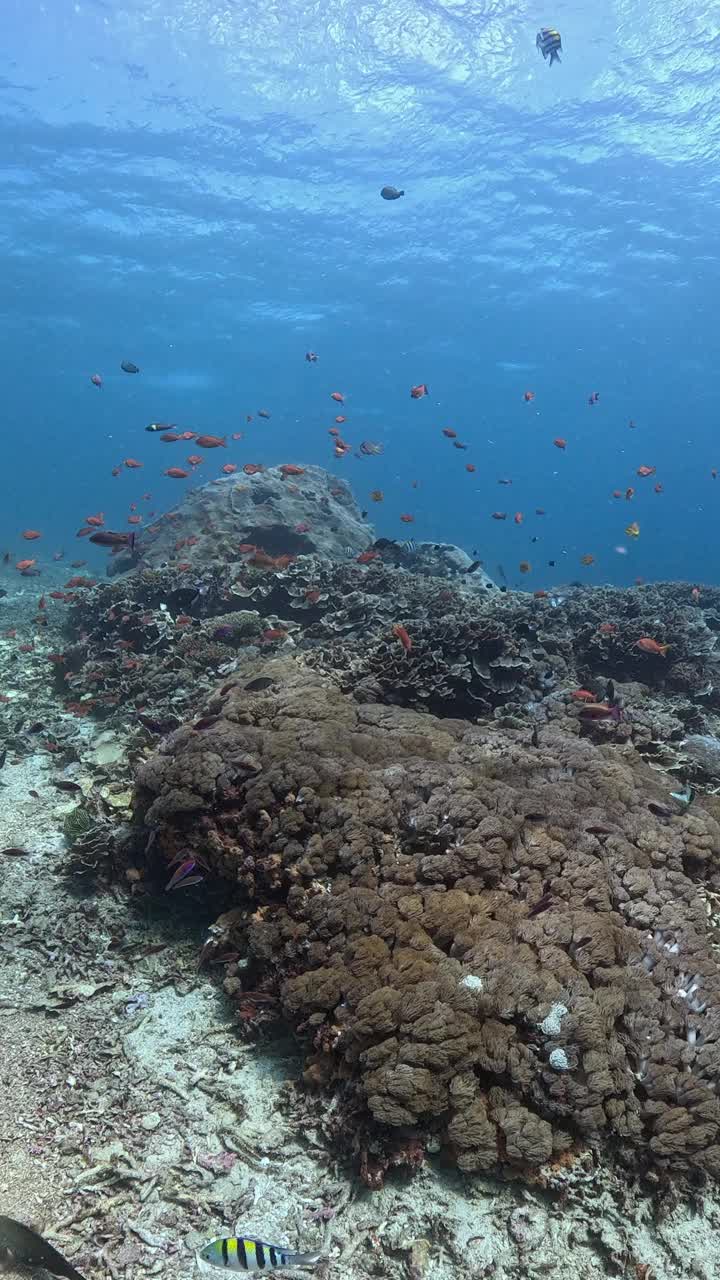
(194, 186)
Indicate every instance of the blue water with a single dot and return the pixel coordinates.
(193, 185)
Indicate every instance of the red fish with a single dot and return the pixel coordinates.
(187, 435)
(366, 556)
(560, 443)
(518, 517)
(31, 535)
(252, 468)
(657, 488)
(134, 520)
(341, 418)
(337, 396)
(419, 391)
(176, 473)
(448, 431)
(22, 565)
(401, 634)
(171, 437)
(96, 521)
(303, 527)
(407, 519)
(229, 468)
(582, 695)
(470, 466)
(289, 469)
(652, 646)
(211, 442)
(236, 435)
(528, 396)
(195, 460)
(646, 471)
(132, 463)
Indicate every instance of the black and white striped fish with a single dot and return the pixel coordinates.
(240, 1253)
(410, 546)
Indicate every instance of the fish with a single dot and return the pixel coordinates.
(470, 466)
(262, 413)
(106, 538)
(593, 397)
(419, 391)
(96, 521)
(96, 380)
(211, 442)
(253, 468)
(290, 469)
(472, 568)
(448, 431)
(391, 193)
(499, 515)
(337, 396)
(457, 444)
(582, 695)
(518, 517)
(366, 556)
(560, 443)
(24, 565)
(160, 426)
(633, 530)
(685, 797)
(525, 566)
(29, 1247)
(132, 463)
(195, 460)
(406, 518)
(648, 645)
(127, 366)
(629, 493)
(657, 488)
(183, 875)
(409, 546)
(549, 42)
(311, 357)
(377, 495)
(229, 468)
(401, 634)
(528, 396)
(30, 535)
(646, 471)
(371, 449)
(176, 473)
(240, 1253)
(588, 559)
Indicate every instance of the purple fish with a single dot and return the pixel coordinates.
(182, 877)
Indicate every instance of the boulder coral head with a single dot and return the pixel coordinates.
(499, 947)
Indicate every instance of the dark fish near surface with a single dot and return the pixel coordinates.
(27, 1246)
(256, 686)
(391, 193)
(160, 426)
(549, 43)
(106, 538)
(476, 564)
(127, 366)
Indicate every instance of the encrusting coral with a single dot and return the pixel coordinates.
(497, 942)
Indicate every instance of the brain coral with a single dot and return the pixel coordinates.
(499, 945)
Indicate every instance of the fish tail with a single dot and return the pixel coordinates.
(554, 56)
(131, 541)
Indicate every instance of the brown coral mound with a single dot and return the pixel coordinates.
(497, 945)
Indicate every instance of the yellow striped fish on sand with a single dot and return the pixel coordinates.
(240, 1253)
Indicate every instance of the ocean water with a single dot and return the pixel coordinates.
(193, 185)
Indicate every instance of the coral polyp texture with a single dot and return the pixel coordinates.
(497, 944)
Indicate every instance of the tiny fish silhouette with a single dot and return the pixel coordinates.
(391, 193)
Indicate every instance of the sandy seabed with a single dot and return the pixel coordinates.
(137, 1121)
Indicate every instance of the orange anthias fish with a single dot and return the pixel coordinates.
(657, 488)
(407, 519)
(588, 559)
(651, 646)
(518, 517)
(176, 473)
(401, 634)
(528, 396)
(337, 396)
(646, 471)
(470, 466)
(560, 443)
(30, 535)
(211, 442)
(366, 556)
(525, 566)
(195, 459)
(341, 418)
(607, 628)
(132, 463)
(252, 468)
(22, 565)
(582, 695)
(419, 391)
(229, 468)
(96, 380)
(290, 469)
(97, 521)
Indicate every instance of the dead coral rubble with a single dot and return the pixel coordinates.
(499, 946)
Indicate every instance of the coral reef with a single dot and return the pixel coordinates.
(497, 943)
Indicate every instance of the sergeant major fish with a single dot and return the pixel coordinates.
(549, 42)
(239, 1253)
